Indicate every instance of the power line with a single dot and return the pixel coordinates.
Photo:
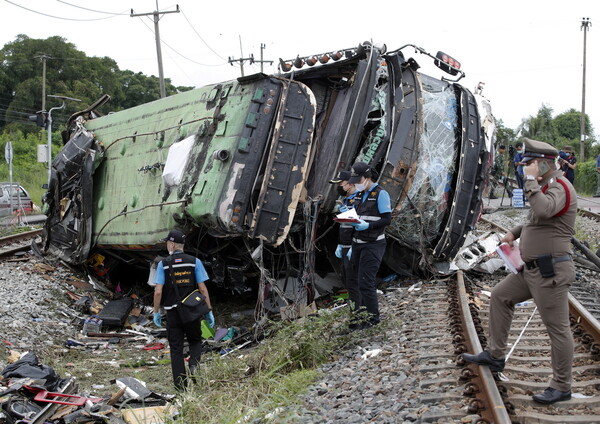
(180, 54)
(201, 39)
(56, 17)
(93, 10)
(156, 18)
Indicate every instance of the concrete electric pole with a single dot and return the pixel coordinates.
(585, 24)
(156, 14)
(44, 57)
(251, 58)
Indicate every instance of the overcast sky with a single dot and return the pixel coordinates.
(527, 52)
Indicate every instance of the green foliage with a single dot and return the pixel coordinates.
(586, 178)
(26, 170)
(562, 130)
(504, 135)
(244, 388)
(69, 72)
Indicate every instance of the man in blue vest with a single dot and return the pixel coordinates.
(368, 240)
(349, 201)
(189, 274)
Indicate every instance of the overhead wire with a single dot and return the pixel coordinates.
(186, 58)
(200, 37)
(93, 10)
(57, 17)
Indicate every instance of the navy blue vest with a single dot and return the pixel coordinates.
(179, 269)
(368, 211)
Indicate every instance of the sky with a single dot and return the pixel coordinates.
(526, 52)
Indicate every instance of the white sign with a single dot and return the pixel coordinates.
(42, 153)
(517, 198)
(8, 152)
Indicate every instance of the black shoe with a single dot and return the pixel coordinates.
(485, 358)
(363, 325)
(551, 395)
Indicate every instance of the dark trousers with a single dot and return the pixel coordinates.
(520, 180)
(350, 280)
(366, 258)
(176, 331)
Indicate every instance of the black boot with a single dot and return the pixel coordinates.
(551, 395)
(485, 358)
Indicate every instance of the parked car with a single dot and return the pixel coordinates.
(20, 199)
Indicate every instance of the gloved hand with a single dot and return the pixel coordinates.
(210, 318)
(360, 226)
(349, 254)
(338, 251)
(157, 319)
(343, 208)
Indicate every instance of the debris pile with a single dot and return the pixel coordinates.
(32, 392)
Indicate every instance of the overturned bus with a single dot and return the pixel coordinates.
(242, 167)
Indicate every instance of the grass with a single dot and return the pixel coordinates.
(250, 386)
(262, 383)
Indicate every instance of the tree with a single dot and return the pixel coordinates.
(539, 127)
(504, 135)
(69, 72)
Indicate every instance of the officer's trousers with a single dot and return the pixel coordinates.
(176, 331)
(366, 258)
(551, 298)
(350, 280)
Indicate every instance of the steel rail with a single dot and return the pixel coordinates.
(19, 237)
(494, 409)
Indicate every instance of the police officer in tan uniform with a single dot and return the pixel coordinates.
(545, 244)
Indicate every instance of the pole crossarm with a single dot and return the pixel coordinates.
(157, 15)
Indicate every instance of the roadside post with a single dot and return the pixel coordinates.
(8, 154)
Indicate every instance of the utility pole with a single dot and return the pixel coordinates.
(261, 61)
(156, 14)
(585, 24)
(49, 130)
(241, 59)
(44, 57)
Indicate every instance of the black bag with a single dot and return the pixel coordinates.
(192, 307)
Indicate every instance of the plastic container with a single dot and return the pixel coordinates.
(92, 325)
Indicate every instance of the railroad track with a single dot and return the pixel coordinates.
(12, 244)
(528, 369)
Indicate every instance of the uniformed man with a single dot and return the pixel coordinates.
(349, 200)
(189, 274)
(368, 240)
(545, 244)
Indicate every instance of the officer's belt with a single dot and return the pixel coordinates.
(533, 264)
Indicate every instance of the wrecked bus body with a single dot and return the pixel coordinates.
(242, 167)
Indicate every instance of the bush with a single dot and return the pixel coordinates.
(586, 178)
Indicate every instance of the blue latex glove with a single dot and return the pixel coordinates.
(210, 318)
(157, 319)
(338, 251)
(343, 208)
(349, 254)
(360, 226)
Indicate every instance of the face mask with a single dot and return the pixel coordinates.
(341, 191)
(360, 187)
(519, 151)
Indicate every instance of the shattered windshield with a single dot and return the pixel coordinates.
(428, 196)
